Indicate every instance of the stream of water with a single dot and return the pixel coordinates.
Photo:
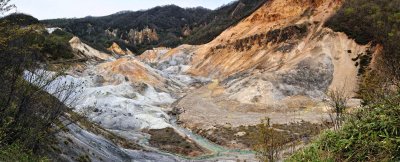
(115, 107)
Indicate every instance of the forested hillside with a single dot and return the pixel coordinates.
(101, 32)
(167, 26)
(211, 25)
(27, 113)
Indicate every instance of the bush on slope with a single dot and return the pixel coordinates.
(371, 134)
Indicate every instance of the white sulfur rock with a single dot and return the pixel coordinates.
(117, 107)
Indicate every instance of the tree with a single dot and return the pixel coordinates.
(376, 22)
(27, 111)
(269, 142)
(5, 6)
(337, 101)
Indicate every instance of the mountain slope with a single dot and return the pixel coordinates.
(129, 29)
(167, 26)
(280, 59)
(278, 63)
(213, 24)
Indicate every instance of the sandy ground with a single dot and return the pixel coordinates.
(201, 110)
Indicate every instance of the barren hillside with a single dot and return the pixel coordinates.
(279, 60)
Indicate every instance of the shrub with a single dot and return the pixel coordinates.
(377, 22)
(27, 112)
(15, 152)
(371, 134)
(57, 45)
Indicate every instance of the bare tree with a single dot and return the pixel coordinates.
(30, 103)
(269, 143)
(5, 6)
(337, 102)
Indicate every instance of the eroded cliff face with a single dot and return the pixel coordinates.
(286, 41)
(117, 50)
(278, 63)
(279, 59)
(134, 36)
(276, 28)
(146, 35)
(83, 51)
(111, 33)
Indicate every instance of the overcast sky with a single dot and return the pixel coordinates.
(47, 9)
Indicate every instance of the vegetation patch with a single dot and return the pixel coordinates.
(173, 25)
(16, 152)
(371, 134)
(244, 137)
(294, 32)
(220, 19)
(376, 22)
(57, 45)
(168, 140)
(100, 32)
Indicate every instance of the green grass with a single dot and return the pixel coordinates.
(312, 153)
(286, 132)
(15, 152)
(168, 140)
(372, 134)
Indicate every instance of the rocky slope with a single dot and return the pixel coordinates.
(83, 51)
(117, 50)
(279, 59)
(278, 62)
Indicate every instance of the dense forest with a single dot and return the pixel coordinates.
(174, 25)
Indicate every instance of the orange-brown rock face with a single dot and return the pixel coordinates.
(278, 60)
(255, 39)
(186, 31)
(82, 50)
(146, 35)
(132, 70)
(153, 56)
(116, 49)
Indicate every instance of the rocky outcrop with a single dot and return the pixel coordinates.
(134, 36)
(186, 31)
(83, 51)
(111, 33)
(146, 35)
(116, 49)
(238, 8)
(278, 60)
(153, 56)
(129, 69)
